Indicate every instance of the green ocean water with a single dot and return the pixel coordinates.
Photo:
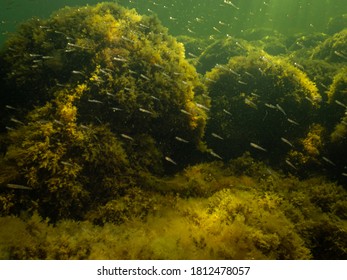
(199, 17)
(216, 132)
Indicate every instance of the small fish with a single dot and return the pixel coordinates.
(215, 155)
(231, 4)
(292, 121)
(227, 112)
(181, 139)
(119, 58)
(127, 39)
(216, 29)
(114, 109)
(34, 55)
(170, 160)
(286, 141)
(240, 46)
(144, 26)
(344, 174)
(261, 71)
(127, 137)
(66, 163)
(250, 103)
(280, 109)
(145, 111)
(192, 55)
(185, 112)
(110, 94)
(241, 82)
(76, 72)
(271, 106)
(249, 74)
(299, 66)
(290, 164)
(309, 99)
(328, 161)
(155, 98)
(11, 107)
(210, 80)
(18, 187)
(75, 46)
(202, 106)
(340, 54)
(158, 66)
(95, 101)
(341, 104)
(16, 121)
(255, 95)
(255, 146)
(144, 77)
(217, 136)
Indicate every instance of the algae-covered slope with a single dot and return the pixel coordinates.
(240, 210)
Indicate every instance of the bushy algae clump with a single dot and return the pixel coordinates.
(259, 102)
(90, 94)
(136, 75)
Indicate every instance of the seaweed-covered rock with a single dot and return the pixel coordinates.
(220, 51)
(94, 98)
(136, 76)
(261, 103)
(59, 167)
(333, 49)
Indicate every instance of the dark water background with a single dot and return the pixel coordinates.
(199, 17)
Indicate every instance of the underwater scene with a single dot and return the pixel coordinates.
(185, 129)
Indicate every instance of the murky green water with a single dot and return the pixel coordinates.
(216, 132)
(200, 17)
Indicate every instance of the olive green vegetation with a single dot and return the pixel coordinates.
(98, 93)
(240, 210)
(259, 99)
(105, 118)
(134, 75)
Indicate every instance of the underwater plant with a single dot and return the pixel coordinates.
(138, 80)
(220, 51)
(333, 49)
(90, 94)
(259, 103)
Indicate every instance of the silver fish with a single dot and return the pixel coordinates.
(202, 106)
(18, 187)
(250, 103)
(127, 137)
(292, 121)
(255, 146)
(185, 112)
(66, 163)
(340, 103)
(227, 112)
(170, 160)
(290, 164)
(328, 161)
(181, 139)
(217, 136)
(280, 109)
(215, 155)
(95, 101)
(286, 141)
(145, 111)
